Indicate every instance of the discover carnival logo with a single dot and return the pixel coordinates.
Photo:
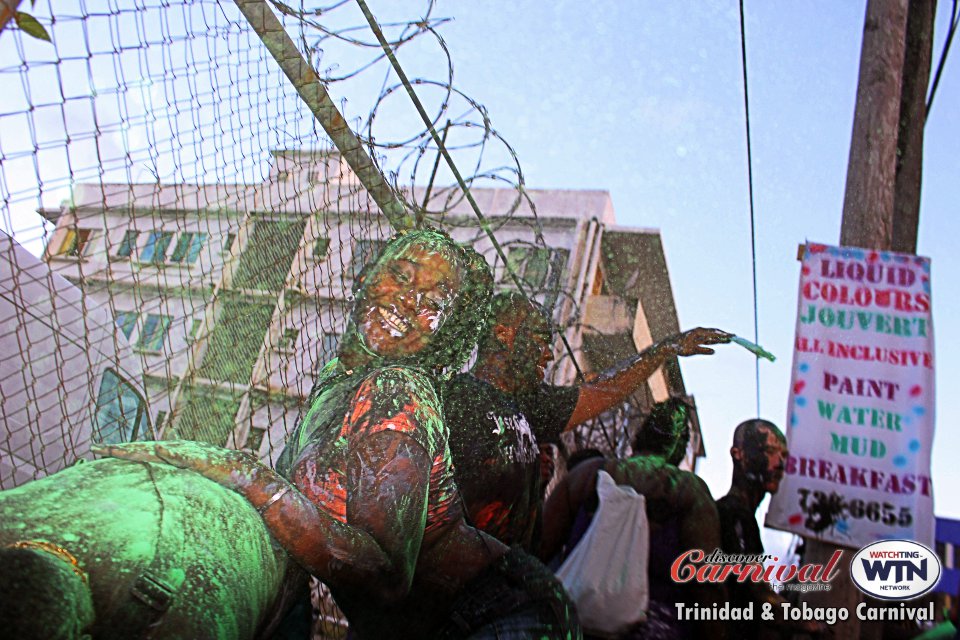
(718, 566)
(895, 569)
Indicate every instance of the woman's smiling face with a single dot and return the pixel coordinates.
(405, 299)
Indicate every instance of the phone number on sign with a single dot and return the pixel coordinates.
(820, 507)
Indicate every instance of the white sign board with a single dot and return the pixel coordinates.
(861, 413)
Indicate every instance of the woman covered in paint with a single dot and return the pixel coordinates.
(680, 510)
(366, 500)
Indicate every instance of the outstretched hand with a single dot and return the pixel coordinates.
(233, 469)
(693, 342)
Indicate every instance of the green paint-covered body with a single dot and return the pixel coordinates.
(125, 519)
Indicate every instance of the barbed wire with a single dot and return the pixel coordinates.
(179, 197)
(403, 154)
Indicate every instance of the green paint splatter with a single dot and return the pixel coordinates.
(122, 519)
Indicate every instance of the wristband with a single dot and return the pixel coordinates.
(274, 498)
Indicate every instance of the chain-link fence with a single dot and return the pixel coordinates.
(182, 235)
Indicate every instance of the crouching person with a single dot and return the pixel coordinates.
(118, 549)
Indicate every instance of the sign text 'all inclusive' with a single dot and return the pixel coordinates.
(860, 420)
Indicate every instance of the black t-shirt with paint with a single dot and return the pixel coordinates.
(493, 442)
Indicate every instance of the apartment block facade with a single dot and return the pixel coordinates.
(234, 296)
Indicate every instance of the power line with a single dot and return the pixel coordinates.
(753, 234)
(951, 30)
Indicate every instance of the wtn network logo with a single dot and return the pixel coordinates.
(895, 569)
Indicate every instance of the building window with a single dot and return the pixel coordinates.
(288, 341)
(531, 264)
(228, 243)
(320, 247)
(154, 332)
(234, 342)
(128, 244)
(267, 255)
(126, 322)
(75, 242)
(121, 413)
(194, 328)
(188, 247)
(363, 252)
(155, 250)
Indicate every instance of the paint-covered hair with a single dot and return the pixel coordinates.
(661, 434)
(453, 342)
(41, 596)
(503, 308)
(749, 433)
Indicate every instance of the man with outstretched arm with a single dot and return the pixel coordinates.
(500, 411)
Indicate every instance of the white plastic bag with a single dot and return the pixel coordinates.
(606, 573)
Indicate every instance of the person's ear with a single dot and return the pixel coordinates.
(736, 454)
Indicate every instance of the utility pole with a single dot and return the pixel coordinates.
(868, 210)
(868, 203)
(913, 119)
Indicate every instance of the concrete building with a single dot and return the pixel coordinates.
(235, 295)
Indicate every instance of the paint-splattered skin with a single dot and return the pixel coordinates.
(759, 453)
(494, 446)
(405, 301)
(373, 511)
(616, 383)
(512, 358)
(422, 302)
(380, 462)
(764, 453)
(375, 504)
(121, 519)
(372, 450)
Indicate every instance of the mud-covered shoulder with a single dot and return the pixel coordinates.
(692, 490)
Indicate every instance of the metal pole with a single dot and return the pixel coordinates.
(307, 83)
